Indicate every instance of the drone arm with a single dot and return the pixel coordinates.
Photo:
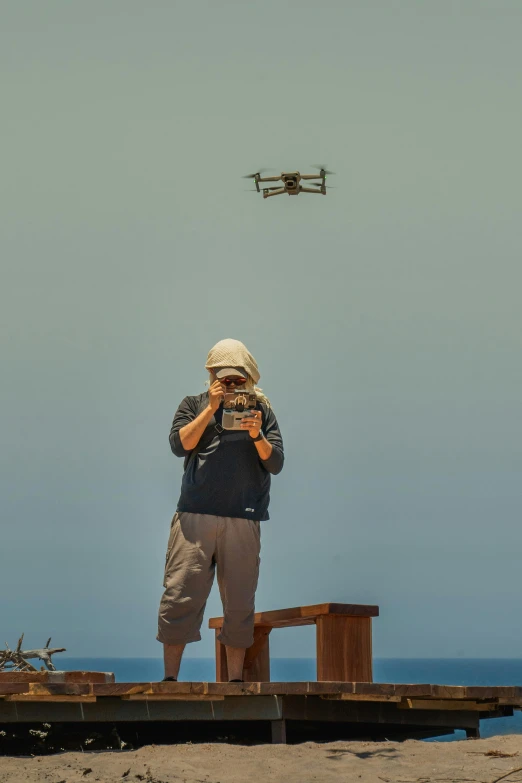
(313, 190)
(268, 179)
(276, 192)
(311, 176)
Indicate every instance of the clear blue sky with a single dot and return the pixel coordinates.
(385, 318)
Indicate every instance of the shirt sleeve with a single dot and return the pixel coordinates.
(271, 431)
(184, 414)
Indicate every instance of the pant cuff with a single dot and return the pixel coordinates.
(171, 640)
(229, 641)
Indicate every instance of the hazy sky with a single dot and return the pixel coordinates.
(385, 318)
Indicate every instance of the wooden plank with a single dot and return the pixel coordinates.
(304, 615)
(171, 697)
(192, 688)
(360, 697)
(344, 648)
(374, 688)
(441, 705)
(56, 677)
(204, 688)
(392, 689)
(81, 676)
(474, 691)
(22, 677)
(59, 689)
(41, 698)
(413, 689)
(489, 691)
(196, 687)
(13, 687)
(447, 691)
(317, 688)
(224, 688)
(121, 688)
(175, 688)
(515, 701)
(281, 688)
(233, 688)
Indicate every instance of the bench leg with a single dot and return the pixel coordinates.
(257, 658)
(344, 649)
(221, 660)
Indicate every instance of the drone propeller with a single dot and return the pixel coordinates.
(258, 173)
(255, 190)
(322, 167)
(319, 185)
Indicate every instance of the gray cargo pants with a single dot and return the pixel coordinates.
(197, 544)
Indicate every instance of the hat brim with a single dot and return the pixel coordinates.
(224, 372)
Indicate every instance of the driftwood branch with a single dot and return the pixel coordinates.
(18, 659)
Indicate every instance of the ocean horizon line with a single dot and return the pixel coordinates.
(292, 658)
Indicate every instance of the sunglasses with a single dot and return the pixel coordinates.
(233, 381)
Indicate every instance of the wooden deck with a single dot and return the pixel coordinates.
(343, 709)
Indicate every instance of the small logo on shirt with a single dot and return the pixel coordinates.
(249, 509)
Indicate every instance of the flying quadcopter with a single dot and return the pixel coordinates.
(291, 182)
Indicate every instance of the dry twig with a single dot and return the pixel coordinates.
(18, 659)
(502, 777)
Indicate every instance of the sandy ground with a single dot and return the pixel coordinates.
(472, 761)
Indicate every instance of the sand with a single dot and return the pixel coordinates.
(413, 761)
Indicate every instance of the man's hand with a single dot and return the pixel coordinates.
(252, 423)
(215, 395)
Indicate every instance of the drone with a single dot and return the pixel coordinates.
(291, 182)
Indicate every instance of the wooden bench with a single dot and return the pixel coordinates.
(343, 641)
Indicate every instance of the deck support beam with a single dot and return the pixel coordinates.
(278, 732)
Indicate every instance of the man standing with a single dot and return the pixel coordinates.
(225, 494)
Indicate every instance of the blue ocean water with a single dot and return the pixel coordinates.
(447, 671)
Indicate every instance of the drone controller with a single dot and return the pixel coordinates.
(237, 405)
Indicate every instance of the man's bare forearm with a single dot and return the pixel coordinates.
(191, 433)
(264, 448)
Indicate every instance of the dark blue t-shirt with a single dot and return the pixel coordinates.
(224, 474)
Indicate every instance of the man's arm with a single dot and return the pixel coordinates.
(184, 415)
(187, 429)
(270, 447)
(264, 448)
(274, 441)
(191, 433)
